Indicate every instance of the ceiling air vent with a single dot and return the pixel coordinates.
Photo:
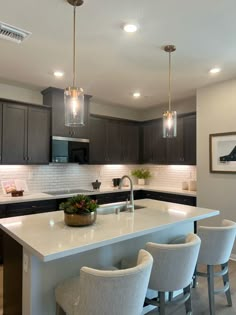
(13, 33)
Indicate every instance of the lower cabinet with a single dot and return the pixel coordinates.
(182, 199)
(115, 197)
(26, 208)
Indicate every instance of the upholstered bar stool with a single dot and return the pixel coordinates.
(216, 247)
(173, 268)
(99, 292)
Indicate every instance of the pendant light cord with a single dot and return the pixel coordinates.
(74, 65)
(169, 81)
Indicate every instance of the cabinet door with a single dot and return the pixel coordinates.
(175, 146)
(160, 153)
(190, 140)
(97, 140)
(129, 143)
(14, 140)
(113, 142)
(38, 135)
(149, 142)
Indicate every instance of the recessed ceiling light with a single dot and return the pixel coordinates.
(215, 70)
(58, 74)
(130, 28)
(136, 94)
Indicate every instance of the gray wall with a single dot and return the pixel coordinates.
(99, 108)
(34, 96)
(216, 112)
(187, 105)
(20, 94)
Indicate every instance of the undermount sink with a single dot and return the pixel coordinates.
(115, 207)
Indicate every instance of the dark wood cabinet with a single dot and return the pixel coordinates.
(179, 150)
(175, 198)
(14, 134)
(25, 134)
(149, 142)
(97, 141)
(175, 146)
(190, 139)
(38, 135)
(153, 144)
(129, 142)
(113, 141)
(33, 207)
(55, 98)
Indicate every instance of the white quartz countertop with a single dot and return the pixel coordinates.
(47, 237)
(44, 196)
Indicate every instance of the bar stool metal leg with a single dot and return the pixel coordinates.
(210, 279)
(226, 282)
(195, 278)
(188, 303)
(161, 296)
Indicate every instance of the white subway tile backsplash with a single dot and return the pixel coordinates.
(56, 177)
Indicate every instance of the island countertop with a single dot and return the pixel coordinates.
(47, 237)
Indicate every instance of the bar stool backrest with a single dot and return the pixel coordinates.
(119, 292)
(173, 264)
(217, 243)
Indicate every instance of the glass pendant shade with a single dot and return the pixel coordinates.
(74, 107)
(169, 124)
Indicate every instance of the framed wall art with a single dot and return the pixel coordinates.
(223, 152)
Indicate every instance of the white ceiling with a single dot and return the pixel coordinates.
(112, 64)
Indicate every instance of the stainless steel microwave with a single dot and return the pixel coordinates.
(70, 150)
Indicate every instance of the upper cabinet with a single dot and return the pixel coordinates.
(190, 139)
(153, 144)
(25, 134)
(113, 141)
(179, 150)
(38, 135)
(55, 98)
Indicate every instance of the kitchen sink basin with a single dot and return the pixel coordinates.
(115, 207)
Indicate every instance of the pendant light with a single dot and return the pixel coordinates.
(74, 96)
(169, 117)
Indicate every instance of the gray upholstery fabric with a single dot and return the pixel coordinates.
(174, 264)
(98, 292)
(217, 243)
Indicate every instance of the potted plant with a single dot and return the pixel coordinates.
(79, 210)
(142, 174)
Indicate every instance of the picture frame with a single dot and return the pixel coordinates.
(222, 155)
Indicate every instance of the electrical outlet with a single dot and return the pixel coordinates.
(25, 262)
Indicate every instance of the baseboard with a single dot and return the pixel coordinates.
(233, 257)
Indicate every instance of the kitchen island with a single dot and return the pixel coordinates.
(49, 252)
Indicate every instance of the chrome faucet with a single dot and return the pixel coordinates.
(129, 206)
